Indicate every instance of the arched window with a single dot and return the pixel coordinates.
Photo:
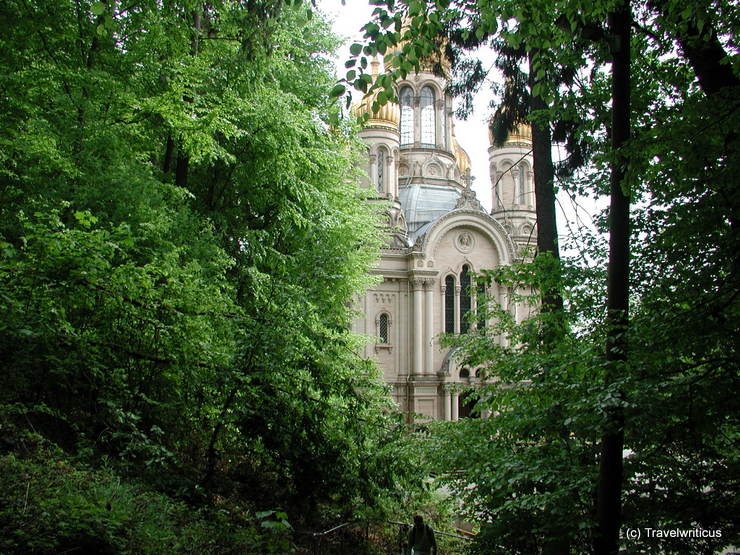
(467, 403)
(383, 328)
(407, 116)
(464, 298)
(450, 304)
(381, 170)
(428, 127)
(480, 304)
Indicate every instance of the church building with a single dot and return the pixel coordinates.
(439, 235)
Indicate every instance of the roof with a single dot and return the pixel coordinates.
(423, 203)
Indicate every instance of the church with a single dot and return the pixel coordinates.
(439, 236)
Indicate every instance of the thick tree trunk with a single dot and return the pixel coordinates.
(609, 502)
(702, 49)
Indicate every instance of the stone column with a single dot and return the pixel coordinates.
(454, 395)
(448, 403)
(458, 288)
(429, 325)
(443, 289)
(372, 171)
(418, 329)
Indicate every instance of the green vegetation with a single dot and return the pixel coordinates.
(181, 238)
(606, 415)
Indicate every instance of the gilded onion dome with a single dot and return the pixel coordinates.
(521, 134)
(388, 115)
(461, 157)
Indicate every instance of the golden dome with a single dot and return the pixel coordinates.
(522, 133)
(461, 157)
(388, 115)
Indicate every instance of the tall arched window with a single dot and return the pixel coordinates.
(480, 305)
(381, 170)
(428, 127)
(383, 328)
(407, 116)
(464, 298)
(449, 304)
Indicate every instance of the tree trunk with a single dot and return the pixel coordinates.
(544, 176)
(547, 231)
(702, 49)
(609, 503)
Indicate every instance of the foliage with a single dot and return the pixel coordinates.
(181, 239)
(51, 504)
(528, 472)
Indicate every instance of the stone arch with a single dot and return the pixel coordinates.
(474, 220)
(439, 92)
(432, 169)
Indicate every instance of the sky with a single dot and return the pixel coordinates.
(472, 134)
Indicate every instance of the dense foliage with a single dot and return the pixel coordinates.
(529, 473)
(181, 238)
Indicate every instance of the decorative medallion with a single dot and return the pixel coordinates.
(465, 241)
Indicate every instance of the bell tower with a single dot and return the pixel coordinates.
(380, 134)
(512, 186)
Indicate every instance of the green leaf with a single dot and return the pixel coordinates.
(337, 91)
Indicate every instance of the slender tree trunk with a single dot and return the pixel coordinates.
(183, 160)
(544, 176)
(168, 148)
(547, 243)
(547, 231)
(181, 169)
(609, 502)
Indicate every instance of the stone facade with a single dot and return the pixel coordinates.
(438, 235)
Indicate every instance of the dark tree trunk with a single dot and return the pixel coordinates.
(702, 49)
(181, 170)
(544, 192)
(168, 149)
(544, 177)
(609, 502)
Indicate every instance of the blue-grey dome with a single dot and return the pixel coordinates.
(423, 203)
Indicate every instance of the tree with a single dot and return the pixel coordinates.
(181, 245)
(566, 399)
